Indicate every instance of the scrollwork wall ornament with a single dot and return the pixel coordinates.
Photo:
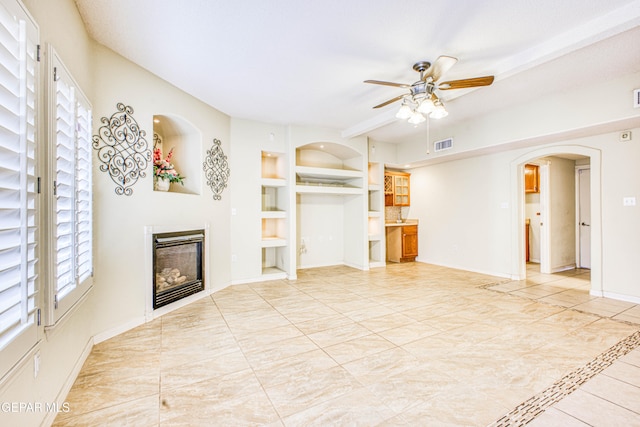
(216, 169)
(122, 149)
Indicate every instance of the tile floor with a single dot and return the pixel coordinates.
(411, 344)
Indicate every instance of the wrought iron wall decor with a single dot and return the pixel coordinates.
(122, 149)
(216, 169)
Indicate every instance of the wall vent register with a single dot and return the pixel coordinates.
(445, 144)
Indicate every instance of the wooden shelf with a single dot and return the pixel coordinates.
(273, 214)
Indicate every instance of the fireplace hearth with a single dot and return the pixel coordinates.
(178, 268)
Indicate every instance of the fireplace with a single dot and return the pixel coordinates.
(178, 268)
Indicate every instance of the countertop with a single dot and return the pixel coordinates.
(400, 224)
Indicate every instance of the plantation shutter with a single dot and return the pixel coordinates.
(84, 231)
(18, 184)
(64, 187)
(72, 213)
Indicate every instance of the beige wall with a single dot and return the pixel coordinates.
(121, 288)
(468, 211)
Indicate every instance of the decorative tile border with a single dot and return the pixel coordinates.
(536, 405)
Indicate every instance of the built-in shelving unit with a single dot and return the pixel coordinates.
(331, 204)
(376, 215)
(274, 214)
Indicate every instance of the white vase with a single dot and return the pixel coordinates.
(162, 184)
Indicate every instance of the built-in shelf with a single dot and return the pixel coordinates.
(316, 174)
(375, 215)
(274, 215)
(327, 189)
(273, 273)
(274, 182)
(273, 242)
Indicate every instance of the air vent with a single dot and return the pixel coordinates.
(445, 144)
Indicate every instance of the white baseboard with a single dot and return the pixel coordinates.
(563, 268)
(620, 297)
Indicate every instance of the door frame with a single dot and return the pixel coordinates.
(578, 238)
(518, 263)
(545, 219)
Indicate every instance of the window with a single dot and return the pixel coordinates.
(19, 283)
(70, 165)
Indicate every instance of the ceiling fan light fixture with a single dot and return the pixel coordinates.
(416, 118)
(404, 112)
(426, 106)
(439, 111)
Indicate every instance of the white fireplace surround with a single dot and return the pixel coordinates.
(149, 231)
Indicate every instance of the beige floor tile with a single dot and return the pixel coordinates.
(358, 348)
(632, 358)
(596, 411)
(389, 321)
(301, 393)
(258, 357)
(408, 333)
(142, 412)
(373, 368)
(554, 418)
(410, 344)
(624, 371)
(356, 408)
(347, 332)
(615, 390)
(293, 368)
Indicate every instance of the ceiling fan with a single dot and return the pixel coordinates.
(422, 100)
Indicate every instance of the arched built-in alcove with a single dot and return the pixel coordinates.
(171, 132)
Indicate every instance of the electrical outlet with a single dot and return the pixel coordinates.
(234, 257)
(36, 365)
(628, 201)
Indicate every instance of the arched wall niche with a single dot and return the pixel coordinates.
(328, 155)
(171, 132)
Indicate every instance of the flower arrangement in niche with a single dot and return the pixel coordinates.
(163, 169)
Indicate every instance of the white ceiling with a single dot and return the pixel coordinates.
(303, 62)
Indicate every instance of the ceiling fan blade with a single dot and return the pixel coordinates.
(379, 82)
(392, 100)
(466, 83)
(438, 68)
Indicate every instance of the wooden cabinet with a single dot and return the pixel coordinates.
(531, 179)
(402, 243)
(396, 189)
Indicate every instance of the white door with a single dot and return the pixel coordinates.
(584, 218)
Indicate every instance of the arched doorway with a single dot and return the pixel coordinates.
(518, 201)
